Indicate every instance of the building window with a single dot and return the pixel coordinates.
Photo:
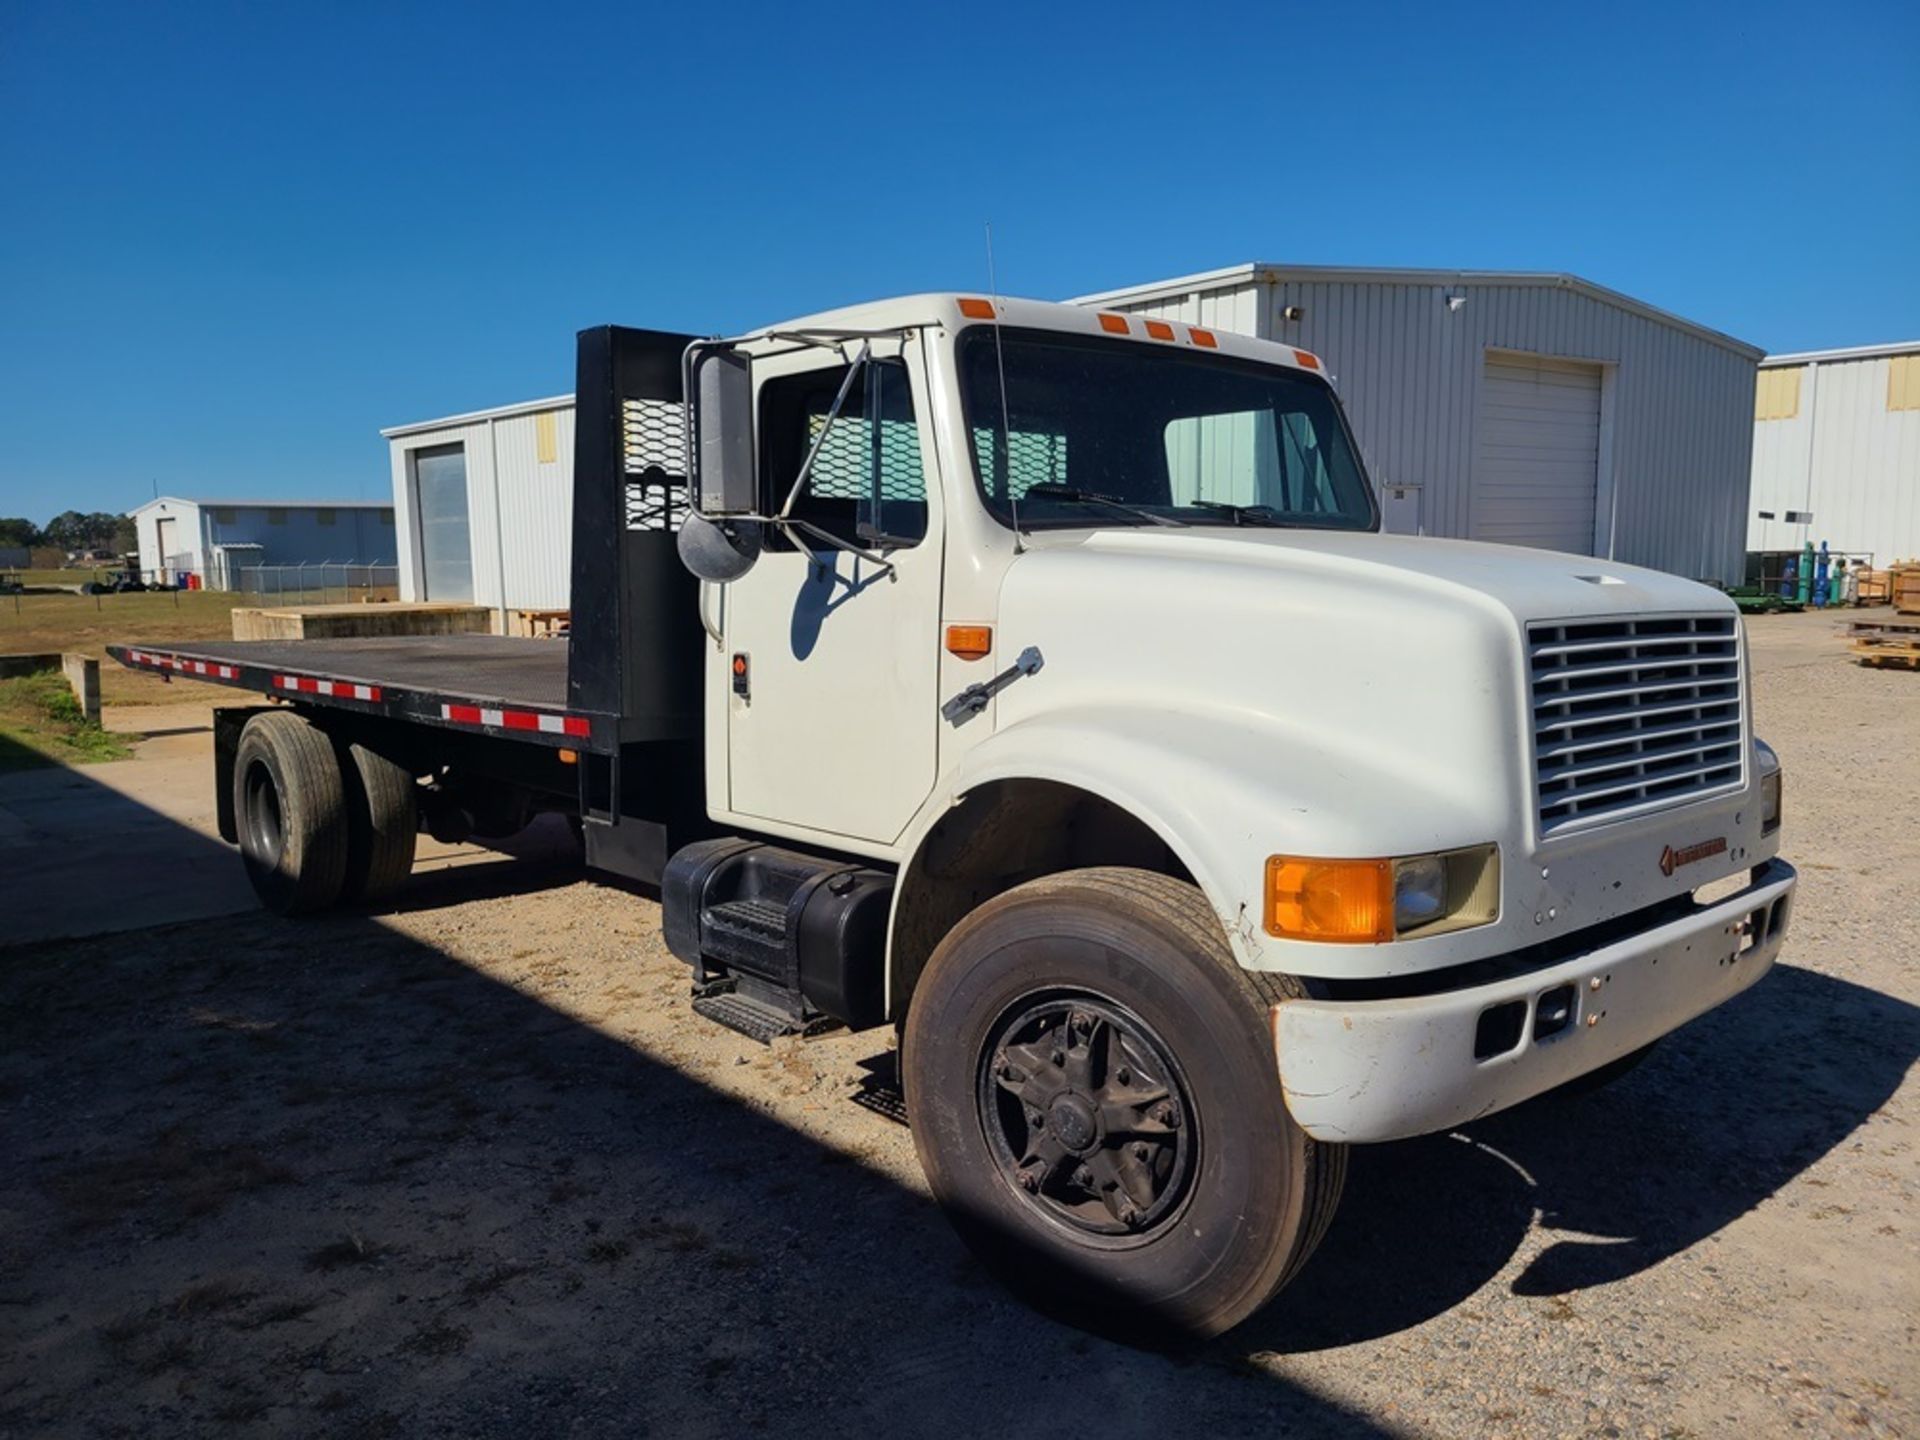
(326, 517)
(1903, 382)
(223, 516)
(546, 436)
(1776, 393)
(276, 517)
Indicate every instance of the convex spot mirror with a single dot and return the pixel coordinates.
(718, 550)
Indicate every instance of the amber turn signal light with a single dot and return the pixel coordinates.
(977, 309)
(969, 642)
(1347, 901)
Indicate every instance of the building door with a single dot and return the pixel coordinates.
(1537, 453)
(166, 533)
(444, 547)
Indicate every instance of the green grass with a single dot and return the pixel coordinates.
(87, 624)
(42, 724)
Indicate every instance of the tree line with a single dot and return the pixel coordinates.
(71, 530)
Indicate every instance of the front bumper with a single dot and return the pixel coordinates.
(1367, 1070)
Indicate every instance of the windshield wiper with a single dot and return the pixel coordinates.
(1244, 514)
(1046, 490)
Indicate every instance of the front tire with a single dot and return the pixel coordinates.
(1093, 1093)
(289, 804)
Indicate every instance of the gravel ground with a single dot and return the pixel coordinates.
(473, 1167)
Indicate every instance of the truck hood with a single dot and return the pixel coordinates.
(1394, 657)
(1528, 584)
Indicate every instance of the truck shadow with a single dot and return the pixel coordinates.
(1719, 1118)
(327, 1178)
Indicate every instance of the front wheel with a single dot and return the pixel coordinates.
(1092, 1087)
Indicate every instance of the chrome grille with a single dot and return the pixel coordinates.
(1633, 715)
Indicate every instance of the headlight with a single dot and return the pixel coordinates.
(1419, 891)
(1373, 901)
(1770, 787)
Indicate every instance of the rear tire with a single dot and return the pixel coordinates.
(289, 805)
(1094, 1097)
(383, 824)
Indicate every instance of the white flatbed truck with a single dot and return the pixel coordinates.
(1036, 680)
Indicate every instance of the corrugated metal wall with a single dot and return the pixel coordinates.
(1846, 457)
(520, 507)
(1677, 408)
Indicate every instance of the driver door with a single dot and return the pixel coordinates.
(837, 653)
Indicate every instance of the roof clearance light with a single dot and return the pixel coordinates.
(1203, 338)
(1306, 359)
(970, 642)
(1159, 330)
(1114, 324)
(977, 309)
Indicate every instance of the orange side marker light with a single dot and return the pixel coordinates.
(970, 642)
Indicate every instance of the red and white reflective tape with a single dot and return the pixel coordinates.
(516, 719)
(185, 667)
(339, 689)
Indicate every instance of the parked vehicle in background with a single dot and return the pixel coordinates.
(1035, 680)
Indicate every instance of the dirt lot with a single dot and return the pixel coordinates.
(472, 1167)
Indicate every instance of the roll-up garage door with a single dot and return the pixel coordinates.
(1537, 453)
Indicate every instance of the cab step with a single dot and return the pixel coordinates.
(755, 1019)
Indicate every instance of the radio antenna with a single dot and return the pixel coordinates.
(1000, 364)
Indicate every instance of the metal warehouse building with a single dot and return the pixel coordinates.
(1535, 409)
(485, 505)
(217, 539)
(1529, 408)
(1836, 439)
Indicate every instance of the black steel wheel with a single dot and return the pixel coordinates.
(1088, 1115)
(1094, 1097)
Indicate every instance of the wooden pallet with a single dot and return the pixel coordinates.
(1891, 653)
(1890, 627)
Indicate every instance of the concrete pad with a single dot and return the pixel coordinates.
(131, 843)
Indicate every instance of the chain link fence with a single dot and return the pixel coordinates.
(322, 582)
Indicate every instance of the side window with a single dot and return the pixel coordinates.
(867, 485)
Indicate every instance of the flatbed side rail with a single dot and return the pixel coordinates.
(569, 729)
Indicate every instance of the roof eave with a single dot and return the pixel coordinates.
(1262, 273)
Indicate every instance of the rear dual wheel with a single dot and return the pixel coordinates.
(319, 822)
(1092, 1086)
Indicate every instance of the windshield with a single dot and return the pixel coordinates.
(1174, 434)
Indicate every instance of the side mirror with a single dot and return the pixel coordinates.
(716, 542)
(719, 383)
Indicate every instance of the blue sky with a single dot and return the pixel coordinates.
(237, 239)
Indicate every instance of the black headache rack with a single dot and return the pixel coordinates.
(623, 690)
